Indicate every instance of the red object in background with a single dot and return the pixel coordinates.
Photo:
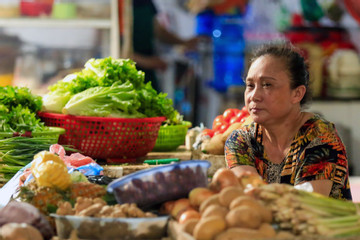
(353, 6)
(297, 20)
(121, 21)
(226, 5)
(35, 8)
(209, 132)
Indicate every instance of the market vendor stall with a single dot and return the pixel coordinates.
(104, 174)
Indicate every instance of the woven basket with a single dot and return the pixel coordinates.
(171, 137)
(118, 139)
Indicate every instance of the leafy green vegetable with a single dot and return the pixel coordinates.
(17, 152)
(19, 119)
(154, 104)
(101, 72)
(56, 100)
(13, 96)
(104, 101)
(101, 75)
(18, 108)
(109, 71)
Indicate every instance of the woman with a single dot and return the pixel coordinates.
(285, 144)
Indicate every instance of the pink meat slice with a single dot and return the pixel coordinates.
(77, 160)
(74, 160)
(58, 149)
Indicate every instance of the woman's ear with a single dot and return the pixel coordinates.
(298, 93)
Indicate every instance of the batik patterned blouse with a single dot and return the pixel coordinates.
(316, 153)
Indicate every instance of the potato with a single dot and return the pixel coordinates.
(228, 194)
(215, 145)
(238, 234)
(212, 200)
(267, 231)
(215, 210)
(189, 225)
(244, 216)
(20, 231)
(230, 129)
(266, 214)
(209, 227)
(244, 200)
(284, 235)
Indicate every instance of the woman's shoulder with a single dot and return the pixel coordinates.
(245, 131)
(317, 126)
(318, 121)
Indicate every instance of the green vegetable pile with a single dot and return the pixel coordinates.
(18, 108)
(109, 87)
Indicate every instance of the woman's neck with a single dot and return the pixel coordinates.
(279, 137)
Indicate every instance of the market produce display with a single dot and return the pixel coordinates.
(18, 108)
(109, 88)
(110, 97)
(22, 133)
(212, 141)
(67, 195)
(248, 208)
(150, 187)
(46, 199)
(26, 217)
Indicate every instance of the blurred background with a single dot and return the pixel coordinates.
(41, 41)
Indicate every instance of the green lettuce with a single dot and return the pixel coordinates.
(87, 91)
(118, 99)
(55, 101)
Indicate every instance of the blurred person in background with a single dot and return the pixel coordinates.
(146, 30)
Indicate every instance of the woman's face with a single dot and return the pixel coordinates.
(268, 96)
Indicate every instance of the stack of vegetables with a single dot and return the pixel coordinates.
(109, 88)
(246, 207)
(18, 108)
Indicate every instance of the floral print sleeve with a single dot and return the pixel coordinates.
(323, 156)
(238, 149)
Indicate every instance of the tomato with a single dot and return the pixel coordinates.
(228, 114)
(234, 120)
(242, 114)
(218, 121)
(217, 132)
(217, 126)
(224, 127)
(236, 110)
(208, 132)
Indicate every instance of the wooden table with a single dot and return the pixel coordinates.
(217, 161)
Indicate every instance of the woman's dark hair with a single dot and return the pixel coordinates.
(294, 62)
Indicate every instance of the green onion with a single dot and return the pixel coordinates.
(17, 152)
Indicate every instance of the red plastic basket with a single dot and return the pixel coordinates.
(113, 139)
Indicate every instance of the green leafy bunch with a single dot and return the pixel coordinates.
(19, 120)
(102, 72)
(154, 104)
(12, 96)
(105, 73)
(18, 108)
